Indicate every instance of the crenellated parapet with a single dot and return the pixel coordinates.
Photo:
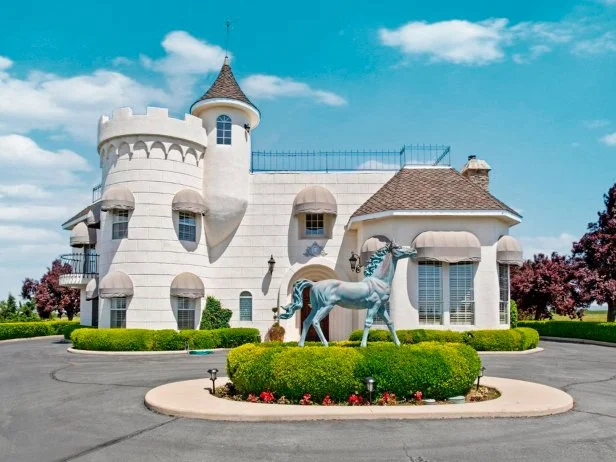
(152, 127)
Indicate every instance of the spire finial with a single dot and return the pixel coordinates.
(228, 24)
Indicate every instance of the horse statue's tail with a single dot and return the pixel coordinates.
(297, 302)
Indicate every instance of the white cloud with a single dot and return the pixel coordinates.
(5, 63)
(24, 152)
(609, 140)
(608, 2)
(456, 41)
(121, 61)
(20, 233)
(551, 32)
(547, 244)
(272, 87)
(598, 45)
(597, 123)
(23, 191)
(30, 212)
(535, 52)
(186, 55)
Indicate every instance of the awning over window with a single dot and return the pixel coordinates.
(509, 251)
(93, 219)
(92, 289)
(315, 199)
(117, 198)
(115, 284)
(447, 246)
(187, 285)
(372, 245)
(189, 200)
(82, 236)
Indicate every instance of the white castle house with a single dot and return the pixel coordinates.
(186, 209)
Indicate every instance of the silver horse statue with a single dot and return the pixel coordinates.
(371, 294)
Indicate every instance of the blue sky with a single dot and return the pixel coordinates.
(528, 86)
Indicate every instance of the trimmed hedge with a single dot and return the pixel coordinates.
(161, 340)
(68, 330)
(438, 370)
(9, 330)
(481, 340)
(601, 331)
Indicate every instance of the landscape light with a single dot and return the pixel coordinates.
(481, 371)
(370, 382)
(213, 373)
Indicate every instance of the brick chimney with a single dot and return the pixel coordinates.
(478, 171)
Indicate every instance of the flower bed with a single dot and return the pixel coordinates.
(600, 331)
(161, 340)
(438, 370)
(517, 339)
(9, 330)
(228, 391)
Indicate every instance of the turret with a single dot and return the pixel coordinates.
(228, 117)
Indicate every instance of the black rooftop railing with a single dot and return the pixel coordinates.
(350, 160)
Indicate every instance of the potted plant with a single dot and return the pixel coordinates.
(276, 332)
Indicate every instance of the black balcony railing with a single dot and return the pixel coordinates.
(81, 263)
(97, 192)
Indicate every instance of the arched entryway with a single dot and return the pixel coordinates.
(313, 272)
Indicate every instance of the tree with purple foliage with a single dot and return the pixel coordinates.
(547, 285)
(597, 249)
(49, 295)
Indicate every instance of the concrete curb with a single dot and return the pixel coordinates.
(23, 339)
(511, 353)
(134, 353)
(191, 398)
(582, 341)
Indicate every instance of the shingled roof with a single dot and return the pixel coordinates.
(225, 86)
(430, 189)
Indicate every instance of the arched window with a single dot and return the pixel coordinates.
(223, 129)
(245, 306)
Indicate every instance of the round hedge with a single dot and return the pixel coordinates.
(438, 370)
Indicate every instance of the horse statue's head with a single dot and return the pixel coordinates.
(399, 252)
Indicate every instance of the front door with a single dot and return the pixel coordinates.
(95, 312)
(312, 333)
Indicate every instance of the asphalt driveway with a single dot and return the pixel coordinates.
(56, 406)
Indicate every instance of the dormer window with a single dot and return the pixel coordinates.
(314, 224)
(223, 129)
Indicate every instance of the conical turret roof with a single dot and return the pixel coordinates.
(225, 86)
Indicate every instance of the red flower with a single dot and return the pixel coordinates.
(418, 395)
(355, 400)
(252, 398)
(327, 401)
(388, 399)
(267, 396)
(305, 399)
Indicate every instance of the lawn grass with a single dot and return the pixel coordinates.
(589, 316)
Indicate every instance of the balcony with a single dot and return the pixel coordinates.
(83, 268)
(97, 192)
(350, 161)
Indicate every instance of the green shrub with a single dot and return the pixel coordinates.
(438, 370)
(374, 335)
(493, 340)
(9, 330)
(513, 314)
(234, 337)
(167, 340)
(113, 339)
(601, 331)
(214, 315)
(530, 337)
(68, 330)
(160, 340)
(429, 335)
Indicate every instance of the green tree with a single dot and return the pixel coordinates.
(8, 309)
(214, 315)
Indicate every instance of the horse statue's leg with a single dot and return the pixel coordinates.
(372, 311)
(390, 324)
(316, 322)
(305, 326)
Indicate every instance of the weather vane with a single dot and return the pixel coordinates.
(228, 23)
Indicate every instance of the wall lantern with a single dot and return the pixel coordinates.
(481, 371)
(213, 373)
(355, 262)
(247, 128)
(271, 262)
